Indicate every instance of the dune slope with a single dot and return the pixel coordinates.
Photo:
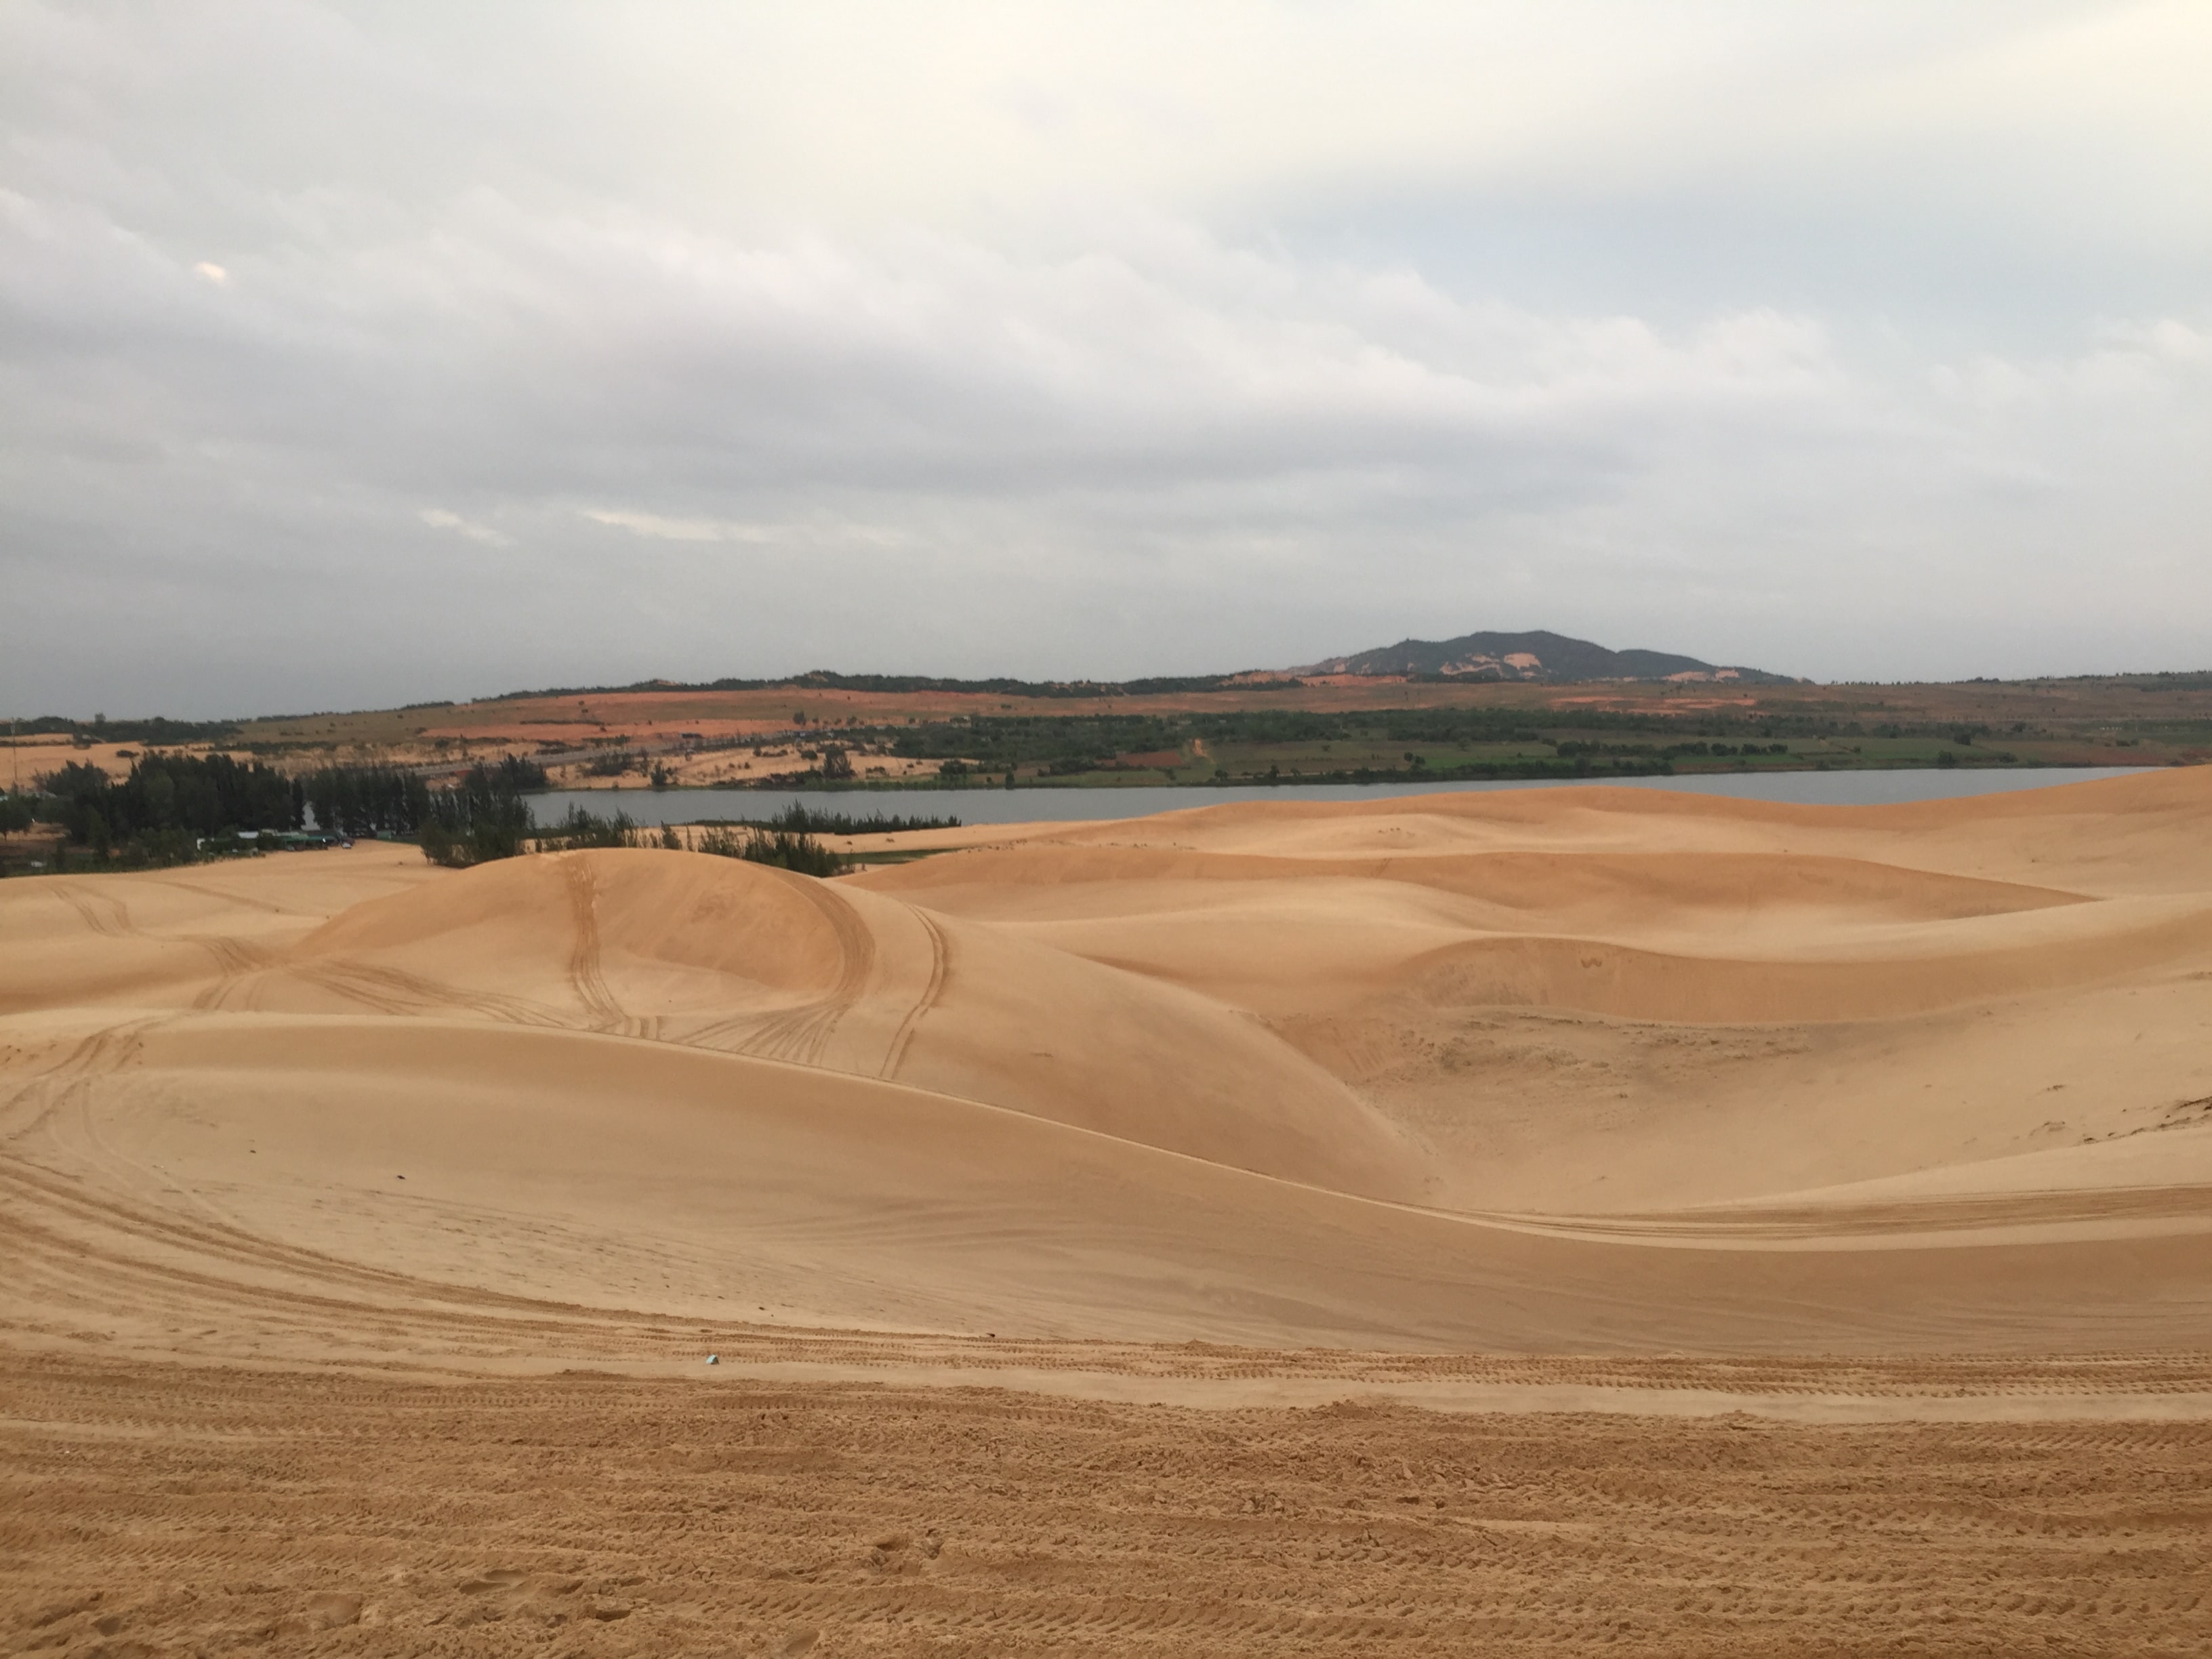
(711, 953)
(1607, 998)
(1577, 1071)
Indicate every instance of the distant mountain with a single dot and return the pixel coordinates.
(1537, 656)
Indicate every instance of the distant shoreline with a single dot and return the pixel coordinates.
(932, 783)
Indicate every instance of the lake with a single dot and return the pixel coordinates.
(658, 806)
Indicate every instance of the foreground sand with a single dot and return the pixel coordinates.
(1226, 1140)
(232, 1510)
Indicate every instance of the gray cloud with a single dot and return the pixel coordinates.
(363, 356)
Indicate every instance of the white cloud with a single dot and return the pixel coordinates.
(438, 519)
(657, 527)
(212, 273)
(822, 531)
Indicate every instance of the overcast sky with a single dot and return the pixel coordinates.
(356, 354)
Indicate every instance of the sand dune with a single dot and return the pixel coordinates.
(1551, 1071)
(710, 952)
(321, 1158)
(1609, 998)
(1529, 1221)
(1695, 889)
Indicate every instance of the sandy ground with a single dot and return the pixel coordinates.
(29, 758)
(1512, 1222)
(235, 1510)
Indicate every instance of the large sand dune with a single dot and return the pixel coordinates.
(1804, 1218)
(1566, 1070)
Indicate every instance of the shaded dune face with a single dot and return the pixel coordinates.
(718, 953)
(1610, 889)
(1603, 978)
(1572, 1070)
(602, 940)
(547, 1172)
(1673, 936)
(1607, 998)
(1781, 928)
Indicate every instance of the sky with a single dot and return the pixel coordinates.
(352, 356)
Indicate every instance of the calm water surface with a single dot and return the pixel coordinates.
(657, 807)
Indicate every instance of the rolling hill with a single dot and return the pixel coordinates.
(1540, 655)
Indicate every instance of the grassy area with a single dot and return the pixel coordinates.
(893, 856)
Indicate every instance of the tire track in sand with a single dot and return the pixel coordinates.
(856, 947)
(115, 925)
(235, 961)
(389, 990)
(45, 1094)
(584, 972)
(940, 963)
(799, 1034)
(598, 1513)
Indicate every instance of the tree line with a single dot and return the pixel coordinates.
(801, 820)
(484, 816)
(167, 805)
(789, 847)
(357, 800)
(157, 730)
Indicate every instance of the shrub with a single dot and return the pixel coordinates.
(801, 854)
